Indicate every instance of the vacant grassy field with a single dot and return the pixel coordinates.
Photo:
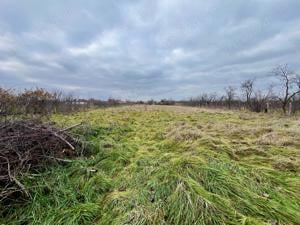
(172, 165)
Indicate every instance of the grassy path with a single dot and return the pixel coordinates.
(173, 165)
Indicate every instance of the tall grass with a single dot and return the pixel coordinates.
(138, 173)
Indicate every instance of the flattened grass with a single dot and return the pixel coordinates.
(171, 165)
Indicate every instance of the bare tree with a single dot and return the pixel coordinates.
(290, 84)
(230, 94)
(260, 100)
(206, 99)
(247, 89)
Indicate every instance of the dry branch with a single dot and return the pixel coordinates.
(27, 146)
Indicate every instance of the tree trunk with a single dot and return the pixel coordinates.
(284, 108)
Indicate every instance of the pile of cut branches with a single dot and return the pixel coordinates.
(26, 146)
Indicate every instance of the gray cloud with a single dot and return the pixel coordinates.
(145, 49)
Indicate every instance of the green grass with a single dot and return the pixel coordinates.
(171, 165)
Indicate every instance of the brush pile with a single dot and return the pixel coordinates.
(26, 146)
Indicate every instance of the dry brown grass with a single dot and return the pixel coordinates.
(274, 138)
(184, 132)
(287, 165)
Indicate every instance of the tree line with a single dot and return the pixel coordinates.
(285, 96)
(39, 102)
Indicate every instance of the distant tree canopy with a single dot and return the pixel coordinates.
(287, 98)
(41, 102)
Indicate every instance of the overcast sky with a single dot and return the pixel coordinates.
(145, 49)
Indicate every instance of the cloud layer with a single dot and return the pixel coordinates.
(145, 49)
